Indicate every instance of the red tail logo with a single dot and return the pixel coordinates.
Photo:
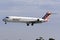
(47, 15)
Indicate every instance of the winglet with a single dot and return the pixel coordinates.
(47, 15)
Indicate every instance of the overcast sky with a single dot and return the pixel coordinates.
(33, 8)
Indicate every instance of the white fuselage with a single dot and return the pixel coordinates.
(27, 20)
(22, 19)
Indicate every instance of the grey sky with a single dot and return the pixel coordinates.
(33, 8)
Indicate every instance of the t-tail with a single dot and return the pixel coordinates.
(47, 15)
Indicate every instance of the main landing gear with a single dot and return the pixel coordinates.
(31, 24)
(27, 24)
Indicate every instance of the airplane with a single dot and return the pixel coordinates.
(27, 20)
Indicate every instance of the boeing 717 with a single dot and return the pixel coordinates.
(27, 20)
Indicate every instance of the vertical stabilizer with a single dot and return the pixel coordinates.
(47, 15)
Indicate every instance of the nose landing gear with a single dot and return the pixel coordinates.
(5, 22)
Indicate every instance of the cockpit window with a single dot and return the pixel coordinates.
(7, 17)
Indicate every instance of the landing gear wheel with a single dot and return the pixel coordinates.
(32, 24)
(5, 22)
(27, 24)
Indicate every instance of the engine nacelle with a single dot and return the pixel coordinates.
(38, 20)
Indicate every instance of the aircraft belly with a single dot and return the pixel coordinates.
(24, 20)
(20, 20)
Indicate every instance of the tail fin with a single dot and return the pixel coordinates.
(47, 15)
